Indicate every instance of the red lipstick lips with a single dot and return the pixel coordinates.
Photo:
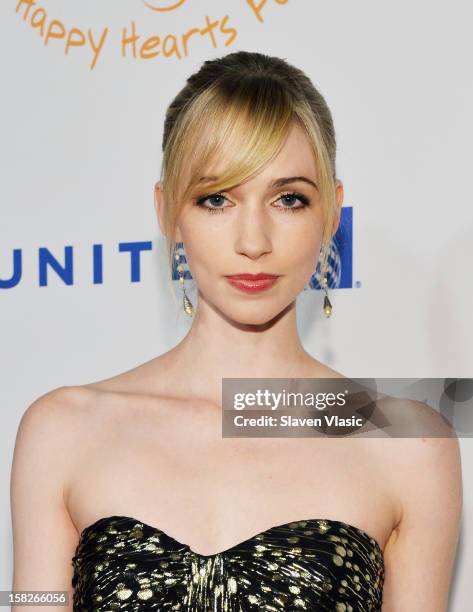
(252, 283)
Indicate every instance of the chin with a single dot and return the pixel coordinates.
(256, 314)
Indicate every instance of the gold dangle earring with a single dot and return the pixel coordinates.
(327, 305)
(186, 303)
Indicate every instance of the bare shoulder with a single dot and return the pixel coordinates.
(60, 421)
(59, 398)
(430, 470)
(432, 463)
(421, 453)
(424, 454)
(49, 431)
(55, 410)
(426, 469)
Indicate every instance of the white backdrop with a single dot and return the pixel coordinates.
(81, 150)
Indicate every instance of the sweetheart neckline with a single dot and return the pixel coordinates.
(365, 534)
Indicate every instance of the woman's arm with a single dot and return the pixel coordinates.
(420, 560)
(44, 537)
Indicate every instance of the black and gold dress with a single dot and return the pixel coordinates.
(121, 563)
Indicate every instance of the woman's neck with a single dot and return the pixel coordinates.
(217, 348)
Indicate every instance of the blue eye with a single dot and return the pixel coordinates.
(289, 198)
(216, 199)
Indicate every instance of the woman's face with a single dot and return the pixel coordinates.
(264, 225)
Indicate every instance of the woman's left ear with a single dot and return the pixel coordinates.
(339, 193)
(159, 205)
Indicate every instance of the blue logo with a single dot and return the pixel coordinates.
(340, 259)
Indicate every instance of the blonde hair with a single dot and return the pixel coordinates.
(239, 108)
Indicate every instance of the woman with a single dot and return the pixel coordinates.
(125, 488)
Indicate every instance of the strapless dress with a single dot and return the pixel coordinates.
(121, 563)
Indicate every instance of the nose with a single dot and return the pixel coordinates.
(253, 231)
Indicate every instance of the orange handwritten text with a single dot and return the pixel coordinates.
(257, 7)
(133, 44)
(54, 29)
(130, 40)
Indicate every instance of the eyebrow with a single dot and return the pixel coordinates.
(279, 182)
(291, 179)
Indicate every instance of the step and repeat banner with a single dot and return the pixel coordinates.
(84, 288)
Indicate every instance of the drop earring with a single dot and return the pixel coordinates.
(186, 303)
(327, 305)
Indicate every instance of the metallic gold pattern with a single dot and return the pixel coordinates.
(121, 563)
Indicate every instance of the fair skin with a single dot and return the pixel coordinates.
(147, 443)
